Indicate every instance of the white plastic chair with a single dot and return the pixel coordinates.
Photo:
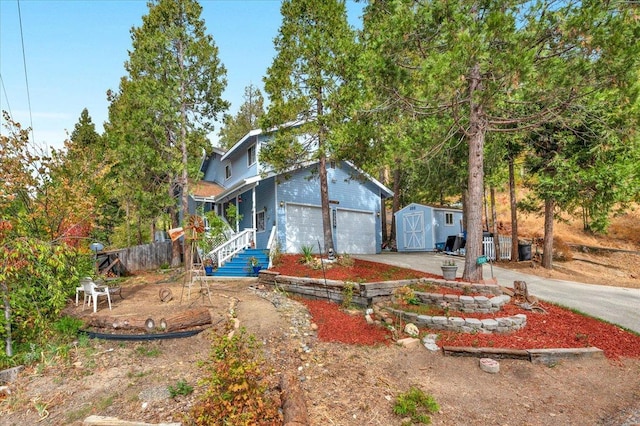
(92, 292)
(80, 288)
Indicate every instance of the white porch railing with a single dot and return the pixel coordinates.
(237, 243)
(490, 249)
(271, 245)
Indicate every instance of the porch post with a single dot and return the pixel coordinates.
(253, 213)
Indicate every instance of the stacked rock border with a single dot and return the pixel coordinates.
(366, 295)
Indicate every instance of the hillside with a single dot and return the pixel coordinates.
(619, 266)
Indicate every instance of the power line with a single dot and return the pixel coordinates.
(24, 64)
(6, 96)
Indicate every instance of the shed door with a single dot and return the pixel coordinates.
(414, 234)
(303, 227)
(355, 232)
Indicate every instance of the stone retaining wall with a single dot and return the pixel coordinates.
(366, 294)
(464, 325)
(480, 304)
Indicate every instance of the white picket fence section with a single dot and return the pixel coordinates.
(490, 249)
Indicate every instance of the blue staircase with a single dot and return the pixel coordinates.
(239, 265)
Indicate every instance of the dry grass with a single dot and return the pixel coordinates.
(583, 265)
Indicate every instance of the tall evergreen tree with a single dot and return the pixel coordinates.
(248, 118)
(315, 48)
(166, 105)
(496, 66)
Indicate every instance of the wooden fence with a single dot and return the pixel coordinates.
(136, 258)
(490, 249)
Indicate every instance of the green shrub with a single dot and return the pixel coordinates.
(67, 327)
(235, 393)
(347, 294)
(181, 388)
(415, 404)
(307, 254)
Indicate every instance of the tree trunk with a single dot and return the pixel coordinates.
(294, 409)
(186, 319)
(176, 245)
(496, 237)
(177, 321)
(514, 212)
(477, 128)
(324, 197)
(184, 178)
(547, 245)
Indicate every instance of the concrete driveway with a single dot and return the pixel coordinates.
(613, 304)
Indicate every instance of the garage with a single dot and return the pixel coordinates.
(303, 227)
(355, 231)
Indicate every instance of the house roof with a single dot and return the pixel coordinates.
(213, 193)
(385, 192)
(256, 132)
(433, 207)
(204, 189)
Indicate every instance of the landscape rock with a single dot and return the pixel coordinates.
(409, 342)
(411, 329)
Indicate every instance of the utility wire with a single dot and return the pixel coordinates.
(26, 79)
(6, 96)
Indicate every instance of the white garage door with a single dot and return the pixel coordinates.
(355, 232)
(304, 227)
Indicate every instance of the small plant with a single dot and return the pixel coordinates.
(67, 326)
(276, 255)
(406, 295)
(181, 388)
(347, 294)
(148, 352)
(446, 306)
(449, 262)
(346, 260)
(235, 388)
(253, 261)
(415, 404)
(233, 216)
(307, 254)
(207, 262)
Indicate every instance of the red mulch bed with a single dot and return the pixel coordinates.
(361, 271)
(558, 328)
(337, 326)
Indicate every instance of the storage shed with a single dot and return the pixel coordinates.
(425, 228)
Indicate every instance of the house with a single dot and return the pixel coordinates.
(286, 207)
(425, 228)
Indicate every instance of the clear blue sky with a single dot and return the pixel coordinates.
(75, 51)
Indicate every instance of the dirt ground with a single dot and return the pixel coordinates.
(342, 384)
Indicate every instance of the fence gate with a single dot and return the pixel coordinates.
(489, 248)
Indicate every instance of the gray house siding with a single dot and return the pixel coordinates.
(349, 199)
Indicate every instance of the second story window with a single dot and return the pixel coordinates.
(227, 171)
(251, 155)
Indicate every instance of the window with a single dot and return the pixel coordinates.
(448, 219)
(227, 171)
(251, 155)
(260, 221)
